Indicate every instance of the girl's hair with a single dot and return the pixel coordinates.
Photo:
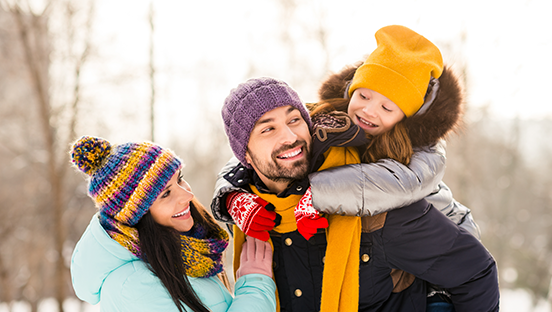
(394, 144)
(160, 247)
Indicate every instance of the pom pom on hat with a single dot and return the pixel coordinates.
(88, 152)
(400, 67)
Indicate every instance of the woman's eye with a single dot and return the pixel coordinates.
(166, 194)
(385, 108)
(362, 96)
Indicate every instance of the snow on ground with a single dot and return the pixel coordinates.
(511, 300)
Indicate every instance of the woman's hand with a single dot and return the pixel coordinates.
(256, 258)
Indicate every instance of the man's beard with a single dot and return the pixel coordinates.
(277, 173)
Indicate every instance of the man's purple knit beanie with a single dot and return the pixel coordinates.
(249, 102)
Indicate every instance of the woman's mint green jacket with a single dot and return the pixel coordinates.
(104, 272)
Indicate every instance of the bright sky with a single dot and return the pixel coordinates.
(206, 48)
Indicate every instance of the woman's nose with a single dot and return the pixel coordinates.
(185, 195)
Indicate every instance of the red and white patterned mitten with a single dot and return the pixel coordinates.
(308, 219)
(252, 214)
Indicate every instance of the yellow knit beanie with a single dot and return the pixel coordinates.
(400, 67)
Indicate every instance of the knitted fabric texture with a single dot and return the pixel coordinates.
(249, 102)
(400, 67)
(340, 282)
(203, 256)
(124, 182)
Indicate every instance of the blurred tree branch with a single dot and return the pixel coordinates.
(55, 130)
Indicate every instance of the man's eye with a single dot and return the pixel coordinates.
(265, 130)
(294, 120)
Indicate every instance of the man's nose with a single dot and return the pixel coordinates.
(288, 136)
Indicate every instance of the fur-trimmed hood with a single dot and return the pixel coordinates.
(443, 117)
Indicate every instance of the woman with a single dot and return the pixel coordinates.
(152, 246)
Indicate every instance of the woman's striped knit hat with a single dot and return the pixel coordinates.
(125, 180)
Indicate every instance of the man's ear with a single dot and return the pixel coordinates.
(248, 158)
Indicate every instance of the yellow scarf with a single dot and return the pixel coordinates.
(340, 284)
(285, 208)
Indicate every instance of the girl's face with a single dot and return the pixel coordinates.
(373, 112)
(172, 206)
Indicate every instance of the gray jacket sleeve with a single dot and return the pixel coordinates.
(222, 189)
(441, 198)
(370, 189)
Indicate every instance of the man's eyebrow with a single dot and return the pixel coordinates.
(267, 120)
(291, 109)
(263, 121)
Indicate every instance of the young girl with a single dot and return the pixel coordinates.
(405, 100)
(152, 246)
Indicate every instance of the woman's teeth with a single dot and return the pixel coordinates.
(180, 214)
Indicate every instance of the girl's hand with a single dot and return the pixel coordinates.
(307, 218)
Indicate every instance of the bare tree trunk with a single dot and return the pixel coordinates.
(54, 174)
(78, 68)
(152, 73)
(4, 282)
(33, 31)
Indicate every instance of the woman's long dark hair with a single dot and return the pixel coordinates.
(160, 247)
(394, 144)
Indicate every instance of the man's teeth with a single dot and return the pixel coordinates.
(291, 154)
(181, 213)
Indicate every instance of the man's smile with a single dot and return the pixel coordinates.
(291, 155)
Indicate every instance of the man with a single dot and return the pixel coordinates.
(269, 131)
